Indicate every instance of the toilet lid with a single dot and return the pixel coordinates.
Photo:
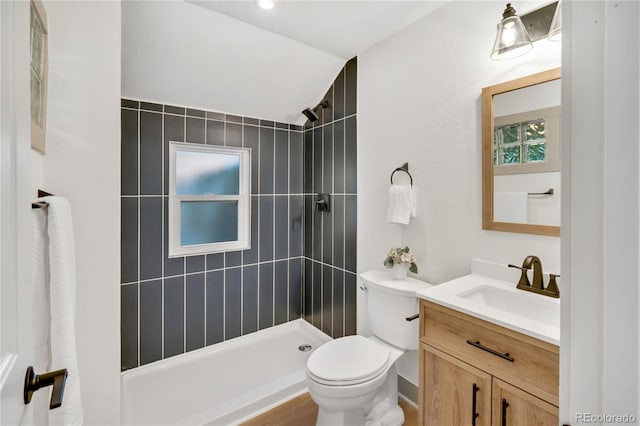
(351, 359)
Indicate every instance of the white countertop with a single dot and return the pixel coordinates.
(499, 302)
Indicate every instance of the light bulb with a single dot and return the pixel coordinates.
(265, 4)
(509, 34)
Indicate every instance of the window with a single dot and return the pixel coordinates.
(518, 143)
(209, 205)
(527, 142)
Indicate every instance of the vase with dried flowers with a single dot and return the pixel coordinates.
(401, 260)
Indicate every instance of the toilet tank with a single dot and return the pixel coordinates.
(389, 303)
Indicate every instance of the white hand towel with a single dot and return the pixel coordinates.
(414, 202)
(41, 312)
(510, 207)
(402, 204)
(62, 287)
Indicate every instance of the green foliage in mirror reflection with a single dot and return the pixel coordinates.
(518, 143)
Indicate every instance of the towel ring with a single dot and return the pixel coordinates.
(401, 169)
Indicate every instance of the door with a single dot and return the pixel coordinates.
(512, 407)
(15, 214)
(453, 393)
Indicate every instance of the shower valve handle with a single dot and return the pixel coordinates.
(324, 202)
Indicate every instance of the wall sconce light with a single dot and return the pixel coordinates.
(516, 34)
(555, 31)
(512, 39)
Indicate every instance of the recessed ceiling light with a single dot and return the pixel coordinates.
(265, 4)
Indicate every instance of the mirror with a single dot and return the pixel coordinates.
(521, 155)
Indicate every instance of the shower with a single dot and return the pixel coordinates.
(312, 113)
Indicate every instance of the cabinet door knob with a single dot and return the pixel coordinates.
(33, 382)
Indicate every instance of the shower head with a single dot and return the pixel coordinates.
(312, 113)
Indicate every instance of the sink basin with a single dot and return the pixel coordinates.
(514, 302)
(501, 303)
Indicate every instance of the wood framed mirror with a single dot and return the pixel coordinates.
(521, 155)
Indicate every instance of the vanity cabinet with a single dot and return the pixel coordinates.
(473, 372)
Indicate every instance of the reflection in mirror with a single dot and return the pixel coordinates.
(521, 155)
(526, 151)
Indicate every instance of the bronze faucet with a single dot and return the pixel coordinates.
(533, 262)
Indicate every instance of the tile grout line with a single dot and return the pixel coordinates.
(138, 240)
(289, 220)
(210, 270)
(312, 224)
(259, 189)
(333, 219)
(255, 195)
(273, 233)
(184, 280)
(332, 266)
(204, 315)
(163, 236)
(241, 252)
(224, 258)
(303, 226)
(139, 108)
(344, 206)
(224, 303)
(321, 254)
(184, 306)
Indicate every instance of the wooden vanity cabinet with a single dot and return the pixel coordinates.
(473, 372)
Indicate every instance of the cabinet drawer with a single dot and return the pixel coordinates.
(521, 360)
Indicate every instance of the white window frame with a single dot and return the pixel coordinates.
(243, 198)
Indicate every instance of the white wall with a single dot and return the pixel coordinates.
(599, 371)
(82, 163)
(178, 52)
(419, 102)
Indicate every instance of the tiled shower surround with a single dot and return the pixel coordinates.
(330, 166)
(174, 305)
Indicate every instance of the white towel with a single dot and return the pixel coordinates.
(402, 204)
(55, 272)
(41, 312)
(510, 207)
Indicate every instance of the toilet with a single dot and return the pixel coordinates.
(354, 379)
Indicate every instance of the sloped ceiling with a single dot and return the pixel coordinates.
(203, 54)
(342, 28)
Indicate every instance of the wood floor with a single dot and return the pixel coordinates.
(302, 411)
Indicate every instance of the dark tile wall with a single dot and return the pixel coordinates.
(174, 305)
(330, 165)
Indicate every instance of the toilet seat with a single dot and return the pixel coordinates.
(347, 361)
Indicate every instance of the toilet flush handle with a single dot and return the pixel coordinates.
(412, 317)
(363, 288)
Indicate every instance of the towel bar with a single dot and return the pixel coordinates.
(547, 192)
(403, 168)
(40, 204)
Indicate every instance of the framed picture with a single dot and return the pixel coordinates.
(39, 75)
